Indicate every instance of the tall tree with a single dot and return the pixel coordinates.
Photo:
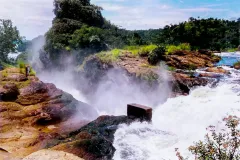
(9, 39)
(71, 15)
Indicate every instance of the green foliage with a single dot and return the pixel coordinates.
(214, 34)
(88, 37)
(156, 55)
(221, 146)
(32, 72)
(4, 74)
(140, 50)
(224, 145)
(71, 16)
(109, 56)
(232, 49)
(9, 39)
(21, 64)
(182, 47)
(170, 68)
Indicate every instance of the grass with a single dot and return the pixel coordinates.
(109, 56)
(182, 47)
(232, 49)
(170, 68)
(140, 50)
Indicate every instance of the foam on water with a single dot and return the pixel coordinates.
(179, 122)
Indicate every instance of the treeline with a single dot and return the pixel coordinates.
(214, 34)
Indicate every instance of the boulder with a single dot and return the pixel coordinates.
(237, 65)
(137, 111)
(217, 70)
(183, 83)
(239, 48)
(94, 141)
(50, 155)
(191, 60)
(9, 92)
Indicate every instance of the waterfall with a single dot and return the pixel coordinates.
(180, 122)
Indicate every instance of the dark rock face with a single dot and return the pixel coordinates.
(9, 92)
(183, 83)
(93, 141)
(143, 113)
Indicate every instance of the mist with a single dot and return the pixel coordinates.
(112, 93)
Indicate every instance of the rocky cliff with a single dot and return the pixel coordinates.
(33, 112)
(139, 70)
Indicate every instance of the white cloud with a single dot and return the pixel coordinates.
(145, 14)
(32, 17)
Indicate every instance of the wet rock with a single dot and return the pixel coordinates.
(93, 141)
(183, 83)
(217, 70)
(210, 75)
(136, 111)
(237, 65)
(9, 92)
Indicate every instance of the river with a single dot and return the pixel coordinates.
(182, 120)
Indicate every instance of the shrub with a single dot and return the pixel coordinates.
(232, 49)
(156, 55)
(185, 46)
(21, 64)
(142, 51)
(237, 65)
(171, 49)
(109, 56)
(170, 68)
(182, 47)
(32, 72)
(219, 146)
(145, 50)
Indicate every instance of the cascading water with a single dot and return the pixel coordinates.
(179, 122)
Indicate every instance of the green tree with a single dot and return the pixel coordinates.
(9, 39)
(71, 15)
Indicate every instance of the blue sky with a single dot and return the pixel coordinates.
(34, 17)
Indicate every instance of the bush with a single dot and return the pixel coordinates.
(109, 56)
(142, 51)
(182, 47)
(156, 55)
(21, 64)
(219, 146)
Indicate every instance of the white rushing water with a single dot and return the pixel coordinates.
(180, 122)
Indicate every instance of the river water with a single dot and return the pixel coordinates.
(182, 120)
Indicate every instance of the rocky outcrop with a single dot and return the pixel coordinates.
(237, 65)
(217, 70)
(183, 83)
(32, 112)
(93, 141)
(51, 155)
(140, 71)
(191, 59)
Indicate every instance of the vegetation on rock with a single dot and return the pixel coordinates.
(219, 146)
